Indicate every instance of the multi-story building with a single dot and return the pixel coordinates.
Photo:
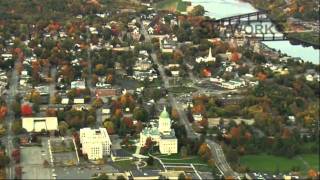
(96, 143)
(162, 134)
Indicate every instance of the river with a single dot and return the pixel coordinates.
(225, 8)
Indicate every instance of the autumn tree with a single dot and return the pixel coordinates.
(26, 109)
(198, 11)
(235, 57)
(109, 126)
(204, 152)
(3, 112)
(63, 127)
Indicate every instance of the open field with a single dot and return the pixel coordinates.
(270, 163)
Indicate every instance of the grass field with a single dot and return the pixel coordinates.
(176, 158)
(312, 160)
(125, 165)
(270, 163)
(172, 5)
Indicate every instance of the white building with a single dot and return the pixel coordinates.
(162, 134)
(37, 124)
(78, 84)
(207, 59)
(96, 143)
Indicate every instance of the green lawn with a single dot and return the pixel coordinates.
(176, 158)
(312, 160)
(125, 165)
(270, 163)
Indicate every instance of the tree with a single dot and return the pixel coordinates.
(109, 78)
(204, 152)
(91, 120)
(182, 176)
(109, 126)
(198, 11)
(16, 107)
(235, 57)
(97, 103)
(16, 127)
(4, 160)
(174, 114)
(26, 110)
(3, 112)
(312, 173)
(63, 127)
(150, 161)
(140, 114)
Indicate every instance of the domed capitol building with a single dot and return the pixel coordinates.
(161, 133)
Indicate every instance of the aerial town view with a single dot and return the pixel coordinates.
(159, 89)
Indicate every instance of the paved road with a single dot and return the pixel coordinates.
(52, 86)
(32, 166)
(219, 157)
(11, 117)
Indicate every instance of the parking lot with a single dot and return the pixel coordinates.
(63, 152)
(32, 159)
(82, 172)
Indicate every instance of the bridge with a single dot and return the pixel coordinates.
(261, 15)
(230, 26)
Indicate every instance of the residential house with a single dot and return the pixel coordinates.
(168, 44)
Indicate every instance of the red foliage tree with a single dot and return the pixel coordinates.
(235, 57)
(26, 110)
(3, 112)
(128, 122)
(235, 132)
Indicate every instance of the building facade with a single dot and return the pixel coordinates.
(96, 143)
(38, 124)
(162, 134)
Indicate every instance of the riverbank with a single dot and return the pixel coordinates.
(305, 39)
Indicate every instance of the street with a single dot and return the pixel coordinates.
(11, 117)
